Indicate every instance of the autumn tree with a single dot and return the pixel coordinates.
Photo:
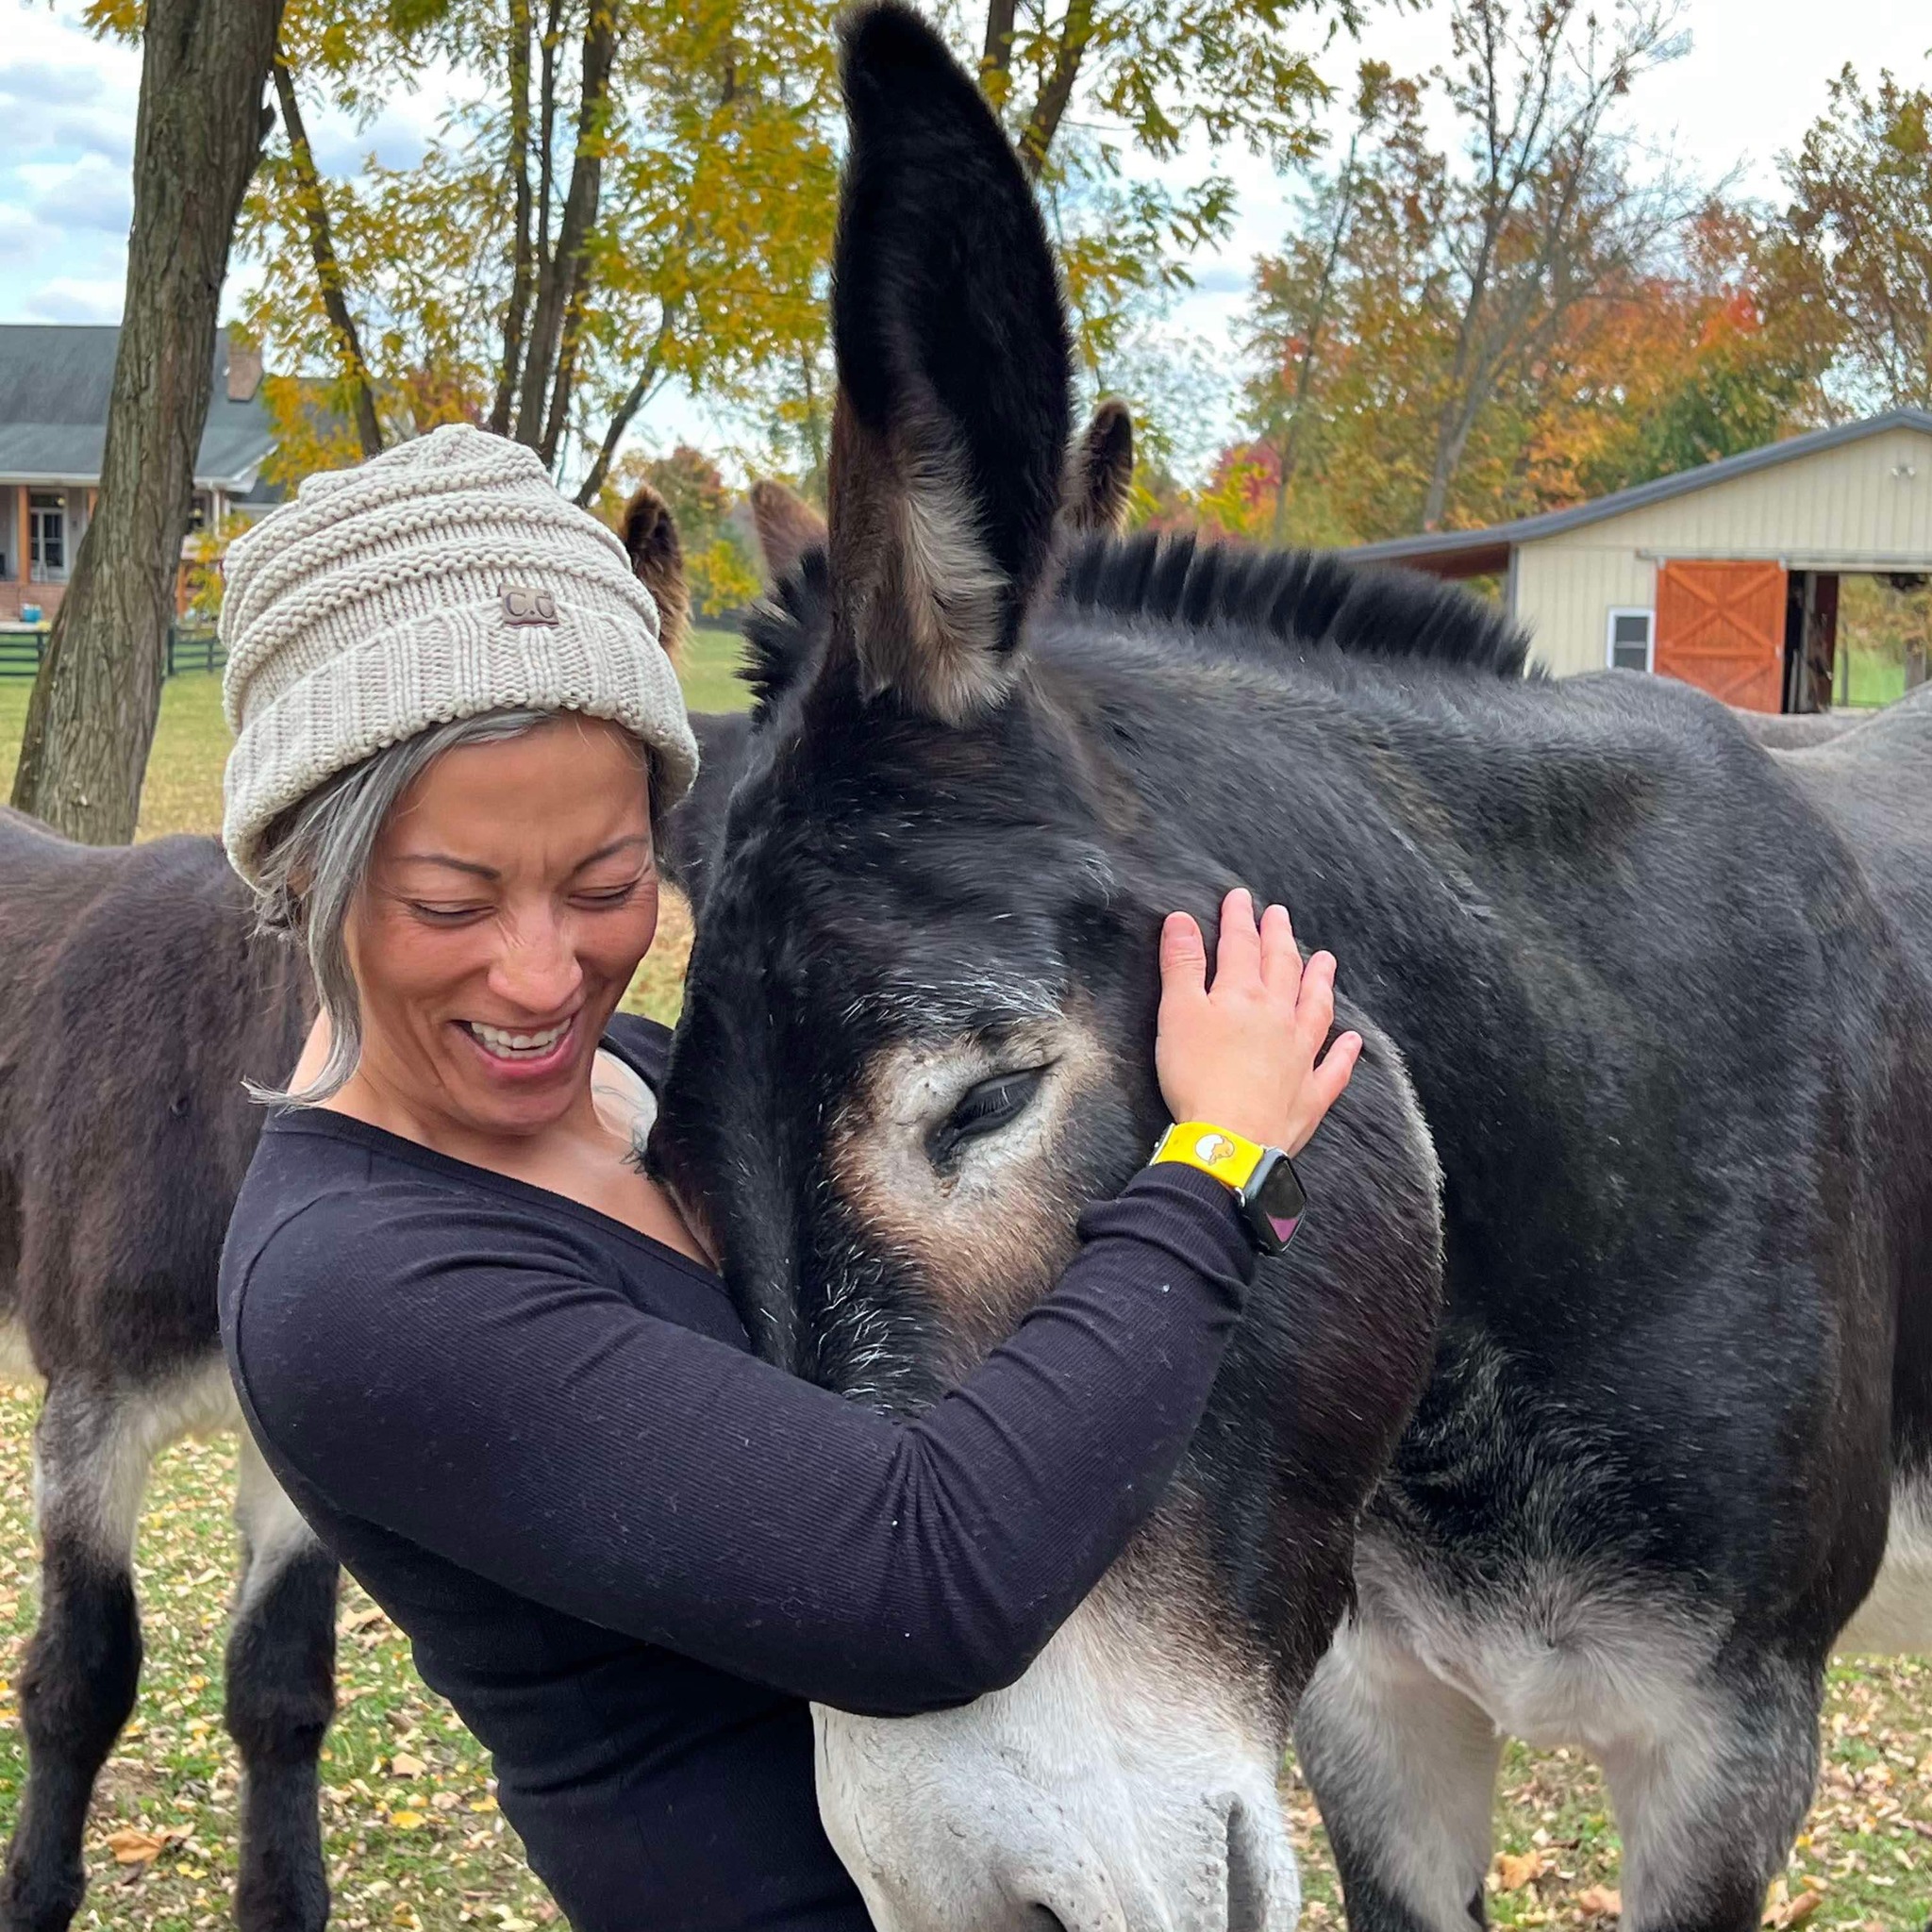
(1535, 311)
(629, 196)
(1858, 248)
(198, 131)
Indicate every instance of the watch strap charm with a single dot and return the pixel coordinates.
(1263, 1179)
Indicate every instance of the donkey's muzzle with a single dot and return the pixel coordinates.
(1108, 1791)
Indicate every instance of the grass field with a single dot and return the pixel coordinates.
(414, 1838)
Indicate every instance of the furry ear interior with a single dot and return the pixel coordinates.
(950, 429)
(787, 526)
(1099, 474)
(656, 557)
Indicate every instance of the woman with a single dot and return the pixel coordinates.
(482, 1350)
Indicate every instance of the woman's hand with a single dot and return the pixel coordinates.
(1241, 1054)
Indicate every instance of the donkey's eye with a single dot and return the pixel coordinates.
(984, 1109)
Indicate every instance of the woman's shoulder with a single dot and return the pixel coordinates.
(642, 1045)
(330, 1203)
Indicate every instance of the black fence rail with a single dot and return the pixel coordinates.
(187, 649)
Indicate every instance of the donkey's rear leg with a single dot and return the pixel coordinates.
(91, 1453)
(1709, 1800)
(281, 1668)
(1405, 1771)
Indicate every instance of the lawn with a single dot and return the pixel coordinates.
(414, 1838)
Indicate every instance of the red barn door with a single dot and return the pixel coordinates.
(1720, 626)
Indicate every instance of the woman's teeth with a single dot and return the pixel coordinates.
(510, 1046)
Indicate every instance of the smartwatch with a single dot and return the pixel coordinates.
(1263, 1179)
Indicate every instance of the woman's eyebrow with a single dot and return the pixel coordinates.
(615, 846)
(490, 871)
(468, 865)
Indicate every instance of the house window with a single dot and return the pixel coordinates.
(1630, 641)
(46, 537)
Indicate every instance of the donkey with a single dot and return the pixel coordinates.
(1622, 1232)
(135, 999)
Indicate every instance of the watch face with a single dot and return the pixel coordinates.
(1275, 1200)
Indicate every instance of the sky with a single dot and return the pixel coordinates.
(1753, 80)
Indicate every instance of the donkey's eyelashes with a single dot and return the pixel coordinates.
(984, 1109)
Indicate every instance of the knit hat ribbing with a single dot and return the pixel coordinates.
(443, 578)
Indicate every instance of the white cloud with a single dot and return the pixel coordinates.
(67, 299)
(90, 193)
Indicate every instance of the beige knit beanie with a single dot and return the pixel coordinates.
(443, 578)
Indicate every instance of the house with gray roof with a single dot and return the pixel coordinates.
(1727, 575)
(55, 382)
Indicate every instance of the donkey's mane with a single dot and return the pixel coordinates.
(1225, 599)
(1211, 597)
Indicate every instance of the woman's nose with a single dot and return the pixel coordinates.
(537, 968)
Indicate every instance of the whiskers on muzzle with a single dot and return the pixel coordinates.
(1115, 1787)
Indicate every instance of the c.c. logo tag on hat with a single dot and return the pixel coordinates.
(522, 606)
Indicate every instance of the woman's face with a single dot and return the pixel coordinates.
(512, 892)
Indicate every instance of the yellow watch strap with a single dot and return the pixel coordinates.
(1228, 1158)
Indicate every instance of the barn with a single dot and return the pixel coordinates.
(1731, 576)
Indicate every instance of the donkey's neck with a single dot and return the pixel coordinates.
(1423, 828)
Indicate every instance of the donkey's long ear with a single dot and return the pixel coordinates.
(656, 558)
(1099, 474)
(787, 526)
(950, 431)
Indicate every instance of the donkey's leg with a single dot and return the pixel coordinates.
(1711, 1796)
(281, 1694)
(1404, 1770)
(91, 1452)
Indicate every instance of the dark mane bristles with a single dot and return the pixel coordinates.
(1216, 597)
(1305, 598)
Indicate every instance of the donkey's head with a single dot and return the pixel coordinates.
(917, 1039)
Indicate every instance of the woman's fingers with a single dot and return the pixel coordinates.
(1314, 1011)
(1237, 950)
(1324, 1089)
(1281, 960)
(1183, 957)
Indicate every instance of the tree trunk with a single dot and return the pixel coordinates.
(328, 271)
(205, 64)
(517, 314)
(539, 414)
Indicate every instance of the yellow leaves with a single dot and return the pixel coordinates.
(1785, 1908)
(1514, 1871)
(130, 1846)
(407, 1821)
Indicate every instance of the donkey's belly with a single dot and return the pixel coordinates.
(1896, 1617)
(1561, 1652)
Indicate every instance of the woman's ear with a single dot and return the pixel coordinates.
(950, 428)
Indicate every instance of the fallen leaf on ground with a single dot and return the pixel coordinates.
(132, 1847)
(1601, 1902)
(1513, 1872)
(406, 1764)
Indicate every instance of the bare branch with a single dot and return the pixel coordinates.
(328, 273)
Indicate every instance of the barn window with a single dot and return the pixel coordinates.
(1629, 640)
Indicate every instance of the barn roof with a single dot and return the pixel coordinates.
(1482, 553)
(55, 382)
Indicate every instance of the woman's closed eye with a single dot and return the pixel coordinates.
(984, 1109)
(601, 898)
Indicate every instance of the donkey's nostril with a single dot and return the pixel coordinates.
(1043, 1919)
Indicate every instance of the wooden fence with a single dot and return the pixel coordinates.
(187, 650)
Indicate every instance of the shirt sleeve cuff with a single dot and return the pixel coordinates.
(1189, 1213)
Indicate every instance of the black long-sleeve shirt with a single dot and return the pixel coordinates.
(628, 1551)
